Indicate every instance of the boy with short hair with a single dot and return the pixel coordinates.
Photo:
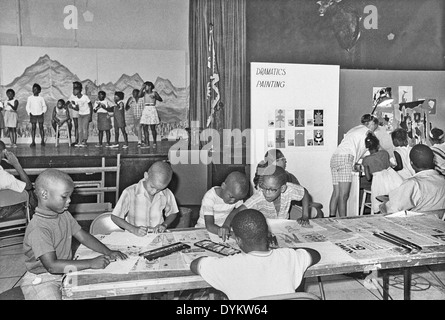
(275, 198)
(36, 108)
(258, 271)
(218, 202)
(47, 242)
(141, 206)
(81, 104)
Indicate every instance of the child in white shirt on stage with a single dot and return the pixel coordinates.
(36, 108)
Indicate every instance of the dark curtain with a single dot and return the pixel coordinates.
(229, 29)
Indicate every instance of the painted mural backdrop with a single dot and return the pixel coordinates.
(55, 69)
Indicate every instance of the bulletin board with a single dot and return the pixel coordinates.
(294, 108)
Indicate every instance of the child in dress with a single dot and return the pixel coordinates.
(149, 114)
(102, 108)
(10, 106)
(36, 108)
(119, 119)
(377, 167)
(219, 202)
(401, 153)
(137, 106)
(61, 114)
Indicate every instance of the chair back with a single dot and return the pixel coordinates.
(290, 296)
(10, 198)
(103, 224)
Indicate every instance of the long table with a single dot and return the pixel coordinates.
(346, 245)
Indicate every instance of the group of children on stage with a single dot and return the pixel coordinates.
(78, 112)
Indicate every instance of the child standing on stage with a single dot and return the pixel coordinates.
(119, 119)
(61, 114)
(74, 114)
(149, 114)
(103, 110)
(10, 106)
(401, 153)
(81, 103)
(378, 169)
(36, 108)
(137, 105)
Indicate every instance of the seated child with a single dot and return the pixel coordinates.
(378, 169)
(275, 198)
(61, 115)
(141, 206)
(258, 271)
(401, 153)
(47, 242)
(437, 139)
(218, 202)
(423, 192)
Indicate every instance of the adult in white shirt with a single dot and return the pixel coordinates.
(10, 182)
(257, 271)
(36, 108)
(350, 150)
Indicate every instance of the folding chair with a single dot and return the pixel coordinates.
(16, 222)
(65, 131)
(103, 225)
(290, 296)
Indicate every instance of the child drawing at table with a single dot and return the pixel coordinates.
(377, 168)
(258, 271)
(401, 153)
(10, 106)
(142, 206)
(275, 198)
(47, 242)
(218, 202)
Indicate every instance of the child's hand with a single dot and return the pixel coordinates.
(304, 221)
(100, 262)
(115, 254)
(160, 228)
(224, 233)
(139, 231)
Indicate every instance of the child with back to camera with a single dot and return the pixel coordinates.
(401, 153)
(47, 242)
(437, 138)
(377, 168)
(219, 202)
(258, 271)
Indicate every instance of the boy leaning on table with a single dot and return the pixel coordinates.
(141, 207)
(47, 242)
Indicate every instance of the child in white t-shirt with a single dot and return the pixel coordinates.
(219, 202)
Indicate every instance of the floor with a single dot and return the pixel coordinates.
(424, 284)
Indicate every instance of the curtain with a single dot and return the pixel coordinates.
(229, 31)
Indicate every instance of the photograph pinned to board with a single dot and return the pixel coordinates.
(290, 123)
(299, 118)
(318, 118)
(299, 138)
(280, 141)
(280, 118)
(318, 138)
(271, 138)
(405, 94)
(290, 138)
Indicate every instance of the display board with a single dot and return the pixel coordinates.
(294, 108)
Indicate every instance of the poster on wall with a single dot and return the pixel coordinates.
(109, 70)
(405, 94)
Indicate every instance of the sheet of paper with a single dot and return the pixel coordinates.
(329, 252)
(128, 239)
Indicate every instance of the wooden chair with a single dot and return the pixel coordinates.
(65, 130)
(290, 296)
(13, 223)
(364, 203)
(103, 225)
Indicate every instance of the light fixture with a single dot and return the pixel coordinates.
(382, 98)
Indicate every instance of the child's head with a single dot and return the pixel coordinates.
(273, 182)
(77, 87)
(60, 103)
(36, 89)
(399, 137)
(118, 96)
(53, 189)
(436, 136)
(149, 85)
(372, 143)
(370, 121)
(234, 188)
(275, 157)
(10, 93)
(101, 95)
(158, 177)
(135, 93)
(422, 157)
(250, 229)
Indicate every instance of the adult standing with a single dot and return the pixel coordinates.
(349, 151)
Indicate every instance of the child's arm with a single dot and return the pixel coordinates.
(368, 174)
(194, 265)
(44, 107)
(315, 255)
(160, 228)
(304, 220)
(140, 231)
(54, 115)
(232, 214)
(15, 106)
(91, 111)
(127, 105)
(94, 244)
(399, 162)
(157, 96)
(223, 231)
(59, 266)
